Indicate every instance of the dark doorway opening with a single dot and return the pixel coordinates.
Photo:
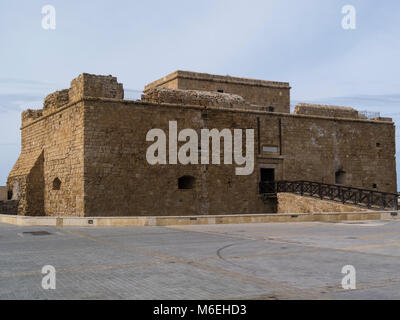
(267, 175)
(340, 177)
(267, 178)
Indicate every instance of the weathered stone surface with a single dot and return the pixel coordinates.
(9, 207)
(89, 85)
(55, 100)
(293, 203)
(3, 193)
(327, 111)
(87, 157)
(194, 97)
(273, 95)
(29, 115)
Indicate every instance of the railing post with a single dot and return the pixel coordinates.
(383, 199)
(302, 188)
(342, 195)
(355, 193)
(370, 199)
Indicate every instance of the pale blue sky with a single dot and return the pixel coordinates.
(139, 41)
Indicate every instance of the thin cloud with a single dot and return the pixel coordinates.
(16, 81)
(19, 102)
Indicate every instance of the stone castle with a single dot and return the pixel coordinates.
(84, 153)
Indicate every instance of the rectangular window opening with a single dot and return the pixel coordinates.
(270, 149)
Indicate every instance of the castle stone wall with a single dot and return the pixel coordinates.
(293, 203)
(119, 180)
(55, 100)
(258, 92)
(194, 97)
(84, 153)
(364, 151)
(52, 147)
(327, 111)
(3, 193)
(89, 85)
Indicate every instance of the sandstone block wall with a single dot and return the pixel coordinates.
(55, 100)
(52, 148)
(89, 85)
(119, 180)
(194, 97)
(364, 151)
(84, 154)
(327, 111)
(258, 92)
(48, 177)
(293, 203)
(29, 116)
(9, 207)
(3, 193)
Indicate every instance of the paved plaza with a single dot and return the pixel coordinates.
(242, 261)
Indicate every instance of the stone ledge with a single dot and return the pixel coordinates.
(194, 220)
(220, 109)
(190, 75)
(161, 95)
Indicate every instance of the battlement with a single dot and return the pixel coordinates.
(90, 85)
(384, 119)
(30, 115)
(161, 95)
(85, 85)
(327, 111)
(55, 100)
(273, 95)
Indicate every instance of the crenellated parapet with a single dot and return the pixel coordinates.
(85, 85)
(162, 95)
(89, 85)
(55, 100)
(321, 110)
(30, 115)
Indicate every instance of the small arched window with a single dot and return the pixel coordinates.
(186, 182)
(56, 184)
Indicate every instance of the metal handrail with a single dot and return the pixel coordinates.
(344, 194)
